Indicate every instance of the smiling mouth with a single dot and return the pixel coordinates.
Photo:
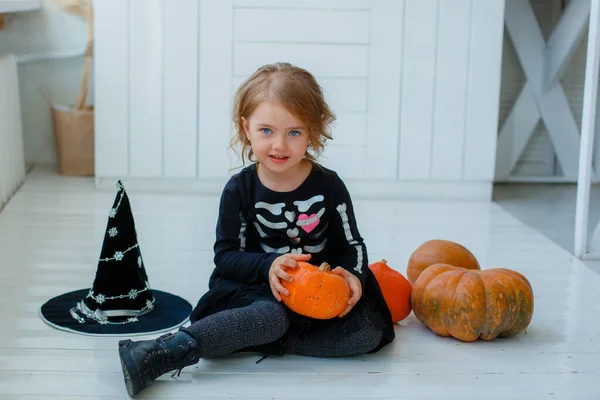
(279, 157)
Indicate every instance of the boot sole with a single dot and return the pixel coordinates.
(130, 374)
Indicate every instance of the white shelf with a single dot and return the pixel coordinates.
(9, 6)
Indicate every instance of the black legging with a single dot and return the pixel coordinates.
(265, 321)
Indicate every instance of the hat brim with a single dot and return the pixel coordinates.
(170, 312)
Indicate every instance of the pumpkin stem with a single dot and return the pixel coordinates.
(384, 261)
(324, 267)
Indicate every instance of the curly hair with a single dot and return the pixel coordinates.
(296, 90)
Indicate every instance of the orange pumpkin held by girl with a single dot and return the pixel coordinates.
(316, 292)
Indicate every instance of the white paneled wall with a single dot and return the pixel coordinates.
(414, 84)
(12, 160)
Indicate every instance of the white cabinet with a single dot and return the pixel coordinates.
(414, 84)
(12, 159)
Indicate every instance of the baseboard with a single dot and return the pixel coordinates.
(542, 179)
(165, 185)
(359, 189)
(421, 190)
(593, 256)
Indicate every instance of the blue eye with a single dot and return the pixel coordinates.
(266, 130)
(294, 133)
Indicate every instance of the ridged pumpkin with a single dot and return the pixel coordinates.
(316, 292)
(439, 252)
(471, 304)
(395, 287)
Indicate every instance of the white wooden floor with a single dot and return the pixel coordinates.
(50, 238)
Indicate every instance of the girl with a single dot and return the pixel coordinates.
(281, 209)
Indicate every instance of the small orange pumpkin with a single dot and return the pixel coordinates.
(395, 287)
(316, 292)
(472, 304)
(439, 252)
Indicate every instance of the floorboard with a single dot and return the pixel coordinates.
(50, 237)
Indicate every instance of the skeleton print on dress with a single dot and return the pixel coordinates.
(342, 210)
(301, 223)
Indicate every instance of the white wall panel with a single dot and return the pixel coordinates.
(418, 88)
(111, 91)
(322, 60)
(345, 95)
(452, 74)
(146, 88)
(349, 129)
(327, 4)
(385, 77)
(298, 25)
(414, 85)
(215, 87)
(348, 161)
(180, 107)
(483, 92)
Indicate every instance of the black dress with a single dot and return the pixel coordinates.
(257, 225)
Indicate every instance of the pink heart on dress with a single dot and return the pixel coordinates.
(308, 227)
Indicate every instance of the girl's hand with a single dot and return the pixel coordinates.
(355, 288)
(277, 271)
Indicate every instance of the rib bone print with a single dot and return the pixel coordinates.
(305, 205)
(301, 226)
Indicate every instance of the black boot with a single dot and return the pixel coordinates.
(146, 360)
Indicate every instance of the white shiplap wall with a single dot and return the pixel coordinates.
(415, 86)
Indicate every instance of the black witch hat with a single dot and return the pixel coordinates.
(120, 301)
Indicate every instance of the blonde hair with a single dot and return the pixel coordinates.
(296, 90)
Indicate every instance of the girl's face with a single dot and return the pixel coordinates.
(278, 139)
